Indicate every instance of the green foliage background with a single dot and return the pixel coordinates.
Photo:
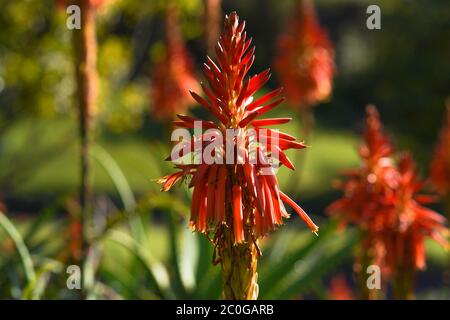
(404, 69)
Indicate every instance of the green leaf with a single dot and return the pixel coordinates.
(279, 269)
(36, 288)
(315, 265)
(188, 259)
(174, 255)
(123, 188)
(159, 276)
(22, 249)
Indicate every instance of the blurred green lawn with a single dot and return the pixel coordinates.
(46, 151)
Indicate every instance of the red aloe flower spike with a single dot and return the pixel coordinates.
(305, 60)
(382, 199)
(366, 192)
(239, 202)
(173, 74)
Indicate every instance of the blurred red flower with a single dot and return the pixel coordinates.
(173, 74)
(339, 289)
(440, 167)
(237, 196)
(368, 189)
(305, 59)
(382, 199)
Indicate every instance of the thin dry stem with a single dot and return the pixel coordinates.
(85, 60)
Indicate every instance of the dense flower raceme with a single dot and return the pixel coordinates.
(440, 167)
(173, 74)
(368, 189)
(305, 60)
(237, 195)
(381, 198)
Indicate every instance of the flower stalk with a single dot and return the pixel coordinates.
(238, 264)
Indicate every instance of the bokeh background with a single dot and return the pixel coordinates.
(403, 69)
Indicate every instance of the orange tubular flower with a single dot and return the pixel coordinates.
(237, 201)
(305, 60)
(173, 75)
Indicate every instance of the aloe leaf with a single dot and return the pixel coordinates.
(22, 249)
(35, 226)
(188, 258)
(123, 188)
(315, 265)
(36, 289)
(174, 255)
(159, 276)
(280, 269)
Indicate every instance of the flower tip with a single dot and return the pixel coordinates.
(304, 144)
(371, 110)
(233, 15)
(314, 228)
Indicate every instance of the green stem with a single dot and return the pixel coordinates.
(24, 254)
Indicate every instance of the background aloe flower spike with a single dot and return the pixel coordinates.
(236, 201)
